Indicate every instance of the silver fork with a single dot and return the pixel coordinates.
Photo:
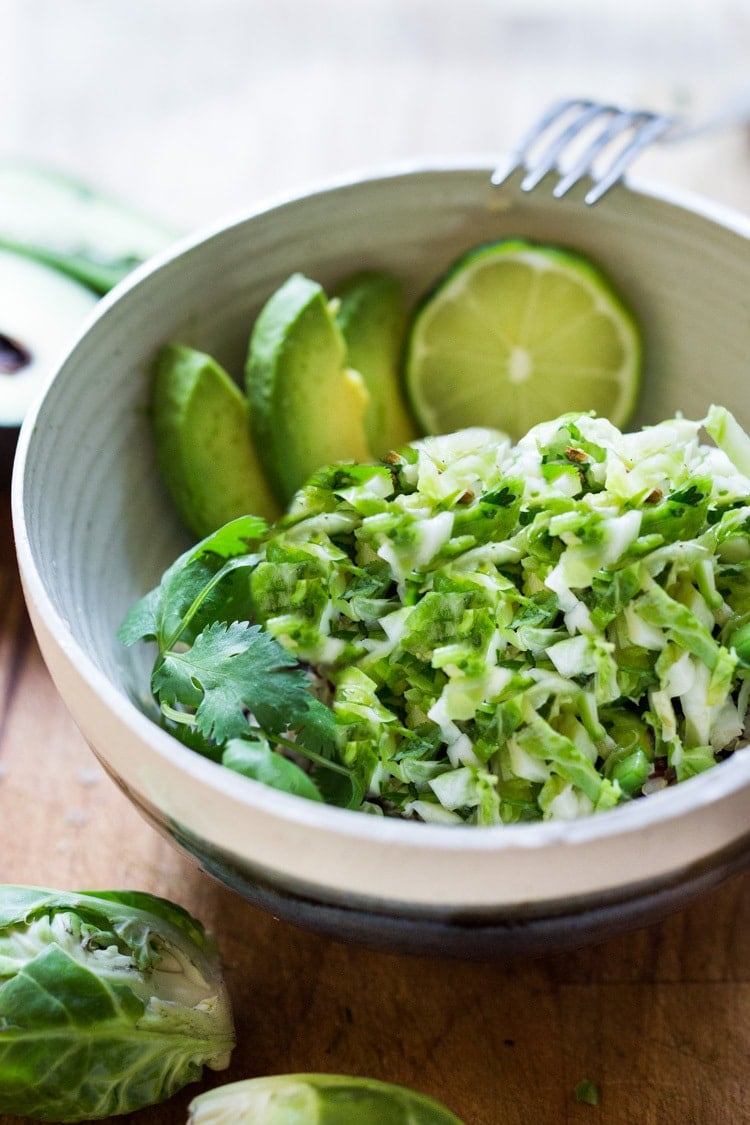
(564, 122)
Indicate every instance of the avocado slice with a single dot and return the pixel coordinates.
(203, 446)
(371, 312)
(307, 406)
(40, 313)
(57, 220)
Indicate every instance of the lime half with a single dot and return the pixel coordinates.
(517, 333)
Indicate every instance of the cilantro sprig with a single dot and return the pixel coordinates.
(228, 688)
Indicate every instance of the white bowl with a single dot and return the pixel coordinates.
(95, 530)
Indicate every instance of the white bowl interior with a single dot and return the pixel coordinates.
(95, 528)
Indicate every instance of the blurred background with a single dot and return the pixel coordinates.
(193, 109)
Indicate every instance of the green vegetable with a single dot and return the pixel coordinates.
(109, 1001)
(232, 668)
(41, 312)
(307, 406)
(62, 223)
(587, 1092)
(202, 439)
(370, 310)
(475, 632)
(316, 1099)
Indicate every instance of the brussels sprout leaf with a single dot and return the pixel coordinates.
(108, 1003)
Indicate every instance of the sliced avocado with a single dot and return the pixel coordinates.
(41, 312)
(307, 407)
(66, 224)
(371, 313)
(203, 445)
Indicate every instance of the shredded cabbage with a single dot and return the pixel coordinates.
(511, 633)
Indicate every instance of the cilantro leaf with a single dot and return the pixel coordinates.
(316, 738)
(141, 621)
(344, 792)
(255, 759)
(232, 671)
(316, 730)
(161, 612)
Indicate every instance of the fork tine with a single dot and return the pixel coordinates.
(654, 127)
(622, 120)
(552, 114)
(548, 160)
(646, 127)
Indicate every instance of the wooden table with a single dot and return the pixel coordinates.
(194, 117)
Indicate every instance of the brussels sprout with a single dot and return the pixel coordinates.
(316, 1099)
(109, 1001)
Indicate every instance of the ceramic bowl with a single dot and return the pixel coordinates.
(95, 530)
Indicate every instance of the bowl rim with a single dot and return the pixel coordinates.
(629, 819)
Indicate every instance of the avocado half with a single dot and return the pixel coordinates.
(72, 227)
(40, 314)
(62, 245)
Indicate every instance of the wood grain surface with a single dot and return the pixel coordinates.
(196, 108)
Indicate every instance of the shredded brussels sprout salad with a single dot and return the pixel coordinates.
(475, 632)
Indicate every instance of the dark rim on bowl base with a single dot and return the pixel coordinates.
(520, 931)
